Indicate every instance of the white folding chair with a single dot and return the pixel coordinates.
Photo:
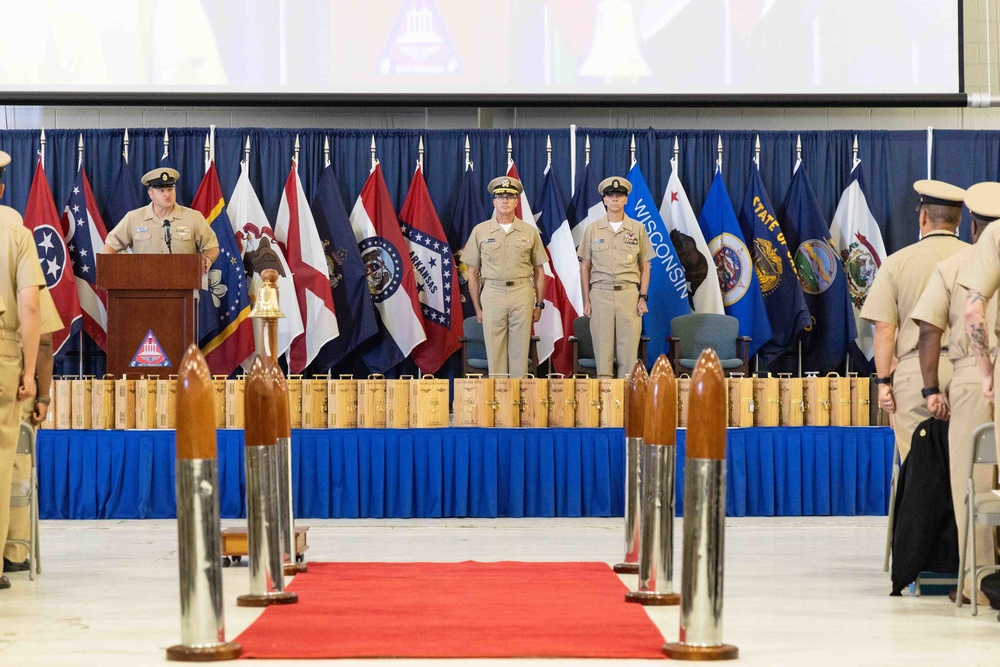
(981, 508)
(892, 506)
(25, 494)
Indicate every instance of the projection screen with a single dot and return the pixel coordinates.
(519, 48)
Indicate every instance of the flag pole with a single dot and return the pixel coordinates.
(632, 149)
(510, 150)
(798, 160)
(586, 154)
(756, 152)
(79, 165)
(854, 162)
(718, 160)
(326, 152)
(572, 160)
(207, 161)
(420, 154)
(166, 144)
(374, 159)
(548, 152)
(677, 153)
(246, 154)
(41, 151)
(468, 152)
(211, 143)
(125, 146)
(295, 155)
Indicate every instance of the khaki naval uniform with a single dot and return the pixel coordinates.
(943, 305)
(143, 232)
(506, 263)
(616, 260)
(20, 517)
(19, 269)
(897, 286)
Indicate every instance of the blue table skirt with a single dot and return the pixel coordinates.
(465, 472)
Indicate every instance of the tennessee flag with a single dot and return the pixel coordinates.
(41, 218)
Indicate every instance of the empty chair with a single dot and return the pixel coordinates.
(982, 508)
(474, 361)
(584, 361)
(690, 334)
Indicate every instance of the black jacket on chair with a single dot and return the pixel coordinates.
(924, 536)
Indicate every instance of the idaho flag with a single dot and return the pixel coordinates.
(668, 287)
(783, 298)
(740, 288)
(821, 275)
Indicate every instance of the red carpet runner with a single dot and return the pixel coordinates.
(455, 610)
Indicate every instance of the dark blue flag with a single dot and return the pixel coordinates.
(587, 205)
(668, 286)
(468, 214)
(822, 277)
(348, 281)
(123, 197)
(783, 298)
(740, 288)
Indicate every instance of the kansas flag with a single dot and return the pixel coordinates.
(821, 274)
(783, 298)
(740, 288)
(668, 287)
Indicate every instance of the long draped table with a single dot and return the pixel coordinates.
(465, 472)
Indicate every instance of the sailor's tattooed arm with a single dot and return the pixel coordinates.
(979, 337)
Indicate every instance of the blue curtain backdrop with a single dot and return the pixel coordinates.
(893, 160)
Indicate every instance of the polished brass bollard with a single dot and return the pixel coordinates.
(635, 407)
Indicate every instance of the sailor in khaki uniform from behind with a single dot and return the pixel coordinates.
(506, 261)
(898, 284)
(20, 279)
(33, 411)
(941, 309)
(164, 226)
(615, 253)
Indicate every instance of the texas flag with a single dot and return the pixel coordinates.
(390, 276)
(85, 234)
(435, 274)
(587, 205)
(295, 230)
(42, 219)
(549, 327)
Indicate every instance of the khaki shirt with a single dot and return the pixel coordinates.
(615, 257)
(19, 265)
(142, 231)
(899, 283)
(943, 305)
(51, 321)
(982, 272)
(501, 256)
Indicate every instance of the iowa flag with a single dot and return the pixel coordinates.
(41, 218)
(390, 276)
(435, 274)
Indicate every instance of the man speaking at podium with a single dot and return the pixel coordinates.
(164, 226)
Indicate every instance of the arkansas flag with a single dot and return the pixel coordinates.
(435, 275)
(85, 234)
(42, 219)
(295, 230)
(549, 327)
(390, 276)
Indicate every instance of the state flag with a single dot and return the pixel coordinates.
(468, 214)
(587, 205)
(85, 234)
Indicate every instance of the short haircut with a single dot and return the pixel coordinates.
(949, 216)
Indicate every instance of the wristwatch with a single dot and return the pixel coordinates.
(930, 391)
(540, 306)
(885, 380)
(643, 296)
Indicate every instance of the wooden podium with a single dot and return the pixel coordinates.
(152, 311)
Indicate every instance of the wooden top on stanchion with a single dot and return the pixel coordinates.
(260, 401)
(635, 400)
(195, 408)
(660, 422)
(707, 409)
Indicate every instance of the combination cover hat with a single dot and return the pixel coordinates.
(505, 185)
(614, 185)
(939, 193)
(983, 200)
(163, 177)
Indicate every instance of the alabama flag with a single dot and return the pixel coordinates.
(295, 230)
(390, 276)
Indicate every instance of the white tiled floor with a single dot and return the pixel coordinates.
(807, 591)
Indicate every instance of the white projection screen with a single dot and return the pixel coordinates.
(518, 48)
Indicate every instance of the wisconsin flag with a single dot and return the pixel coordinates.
(85, 234)
(295, 230)
(858, 239)
(468, 214)
(775, 267)
(737, 277)
(390, 276)
(668, 286)
(704, 293)
(435, 275)
(586, 206)
(41, 217)
(259, 249)
(353, 306)
(821, 275)
(224, 326)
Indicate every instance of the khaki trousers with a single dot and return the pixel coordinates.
(20, 517)
(911, 407)
(969, 409)
(507, 327)
(616, 327)
(10, 377)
